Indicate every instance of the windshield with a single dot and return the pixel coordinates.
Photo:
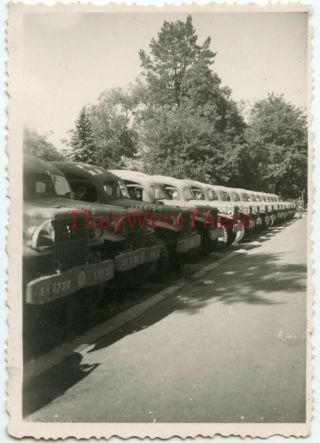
(235, 197)
(115, 189)
(45, 184)
(245, 197)
(198, 193)
(188, 194)
(212, 195)
(172, 192)
(159, 192)
(224, 196)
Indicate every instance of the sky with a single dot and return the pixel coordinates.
(69, 59)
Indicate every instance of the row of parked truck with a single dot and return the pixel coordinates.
(85, 227)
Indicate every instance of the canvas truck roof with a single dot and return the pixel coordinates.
(84, 170)
(137, 176)
(171, 181)
(36, 165)
(220, 188)
(194, 183)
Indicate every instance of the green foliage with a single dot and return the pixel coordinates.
(169, 144)
(171, 55)
(278, 154)
(112, 120)
(37, 145)
(181, 121)
(82, 143)
(190, 125)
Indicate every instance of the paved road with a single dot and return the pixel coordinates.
(230, 348)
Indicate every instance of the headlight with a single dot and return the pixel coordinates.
(43, 237)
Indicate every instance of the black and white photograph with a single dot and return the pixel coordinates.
(159, 236)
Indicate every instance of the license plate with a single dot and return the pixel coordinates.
(51, 287)
(185, 244)
(130, 260)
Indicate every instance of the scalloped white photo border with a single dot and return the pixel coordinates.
(314, 139)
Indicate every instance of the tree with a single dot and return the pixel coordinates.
(278, 154)
(112, 120)
(82, 140)
(190, 125)
(168, 141)
(37, 145)
(171, 55)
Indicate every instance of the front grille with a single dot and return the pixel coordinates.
(71, 241)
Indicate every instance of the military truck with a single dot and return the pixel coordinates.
(249, 209)
(58, 260)
(172, 227)
(228, 221)
(61, 232)
(230, 210)
(204, 216)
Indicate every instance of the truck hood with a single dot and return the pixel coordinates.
(151, 208)
(198, 204)
(62, 204)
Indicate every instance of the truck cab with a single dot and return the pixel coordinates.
(218, 197)
(205, 215)
(106, 225)
(174, 225)
(229, 209)
(171, 227)
(58, 259)
(248, 209)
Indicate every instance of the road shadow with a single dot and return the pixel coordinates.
(52, 383)
(249, 279)
(250, 282)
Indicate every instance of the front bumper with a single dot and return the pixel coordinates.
(51, 287)
(188, 243)
(129, 260)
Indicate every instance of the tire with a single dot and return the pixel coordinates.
(240, 234)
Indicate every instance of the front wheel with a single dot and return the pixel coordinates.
(240, 234)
